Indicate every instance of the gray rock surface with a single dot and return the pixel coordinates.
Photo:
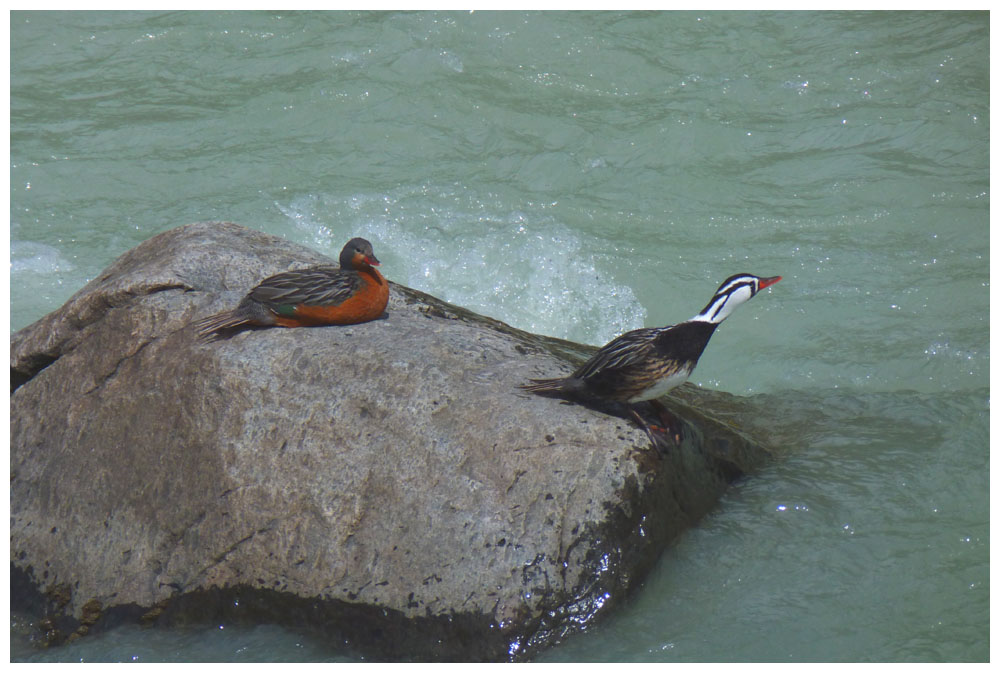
(386, 483)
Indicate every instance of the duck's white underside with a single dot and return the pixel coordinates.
(663, 386)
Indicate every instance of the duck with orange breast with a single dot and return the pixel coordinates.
(319, 295)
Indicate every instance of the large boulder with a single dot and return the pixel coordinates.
(385, 483)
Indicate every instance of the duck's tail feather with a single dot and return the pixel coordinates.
(210, 327)
(545, 386)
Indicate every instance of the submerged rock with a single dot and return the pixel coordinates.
(386, 484)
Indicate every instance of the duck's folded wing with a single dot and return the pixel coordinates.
(315, 286)
(622, 352)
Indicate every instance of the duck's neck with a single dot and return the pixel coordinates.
(717, 310)
(372, 273)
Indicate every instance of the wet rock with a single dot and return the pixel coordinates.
(386, 484)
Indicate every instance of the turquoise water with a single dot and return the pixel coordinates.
(579, 175)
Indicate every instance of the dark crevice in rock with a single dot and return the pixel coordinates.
(103, 381)
(29, 368)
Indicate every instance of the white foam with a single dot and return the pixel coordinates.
(519, 266)
(28, 256)
(41, 280)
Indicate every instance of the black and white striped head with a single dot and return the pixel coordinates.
(733, 292)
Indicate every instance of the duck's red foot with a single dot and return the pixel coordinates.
(672, 426)
(662, 437)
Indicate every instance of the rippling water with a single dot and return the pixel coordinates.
(578, 175)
